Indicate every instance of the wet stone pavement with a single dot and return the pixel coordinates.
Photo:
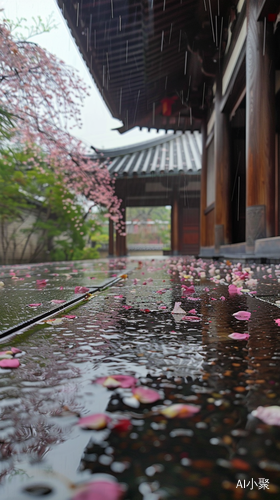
(177, 408)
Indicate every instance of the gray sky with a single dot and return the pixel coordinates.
(97, 120)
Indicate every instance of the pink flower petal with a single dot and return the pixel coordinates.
(233, 290)
(242, 315)
(81, 289)
(193, 298)
(99, 490)
(222, 297)
(118, 296)
(70, 316)
(188, 289)
(177, 309)
(113, 381)
(193, 311)
(239, 336)
(180, 411)
(35, 305)
(57, 301)
(41, 282)
(277, 321)
(15, 350)
(268, 414)
(146, 395)
(9, 363)
(96, 422)
(122, 425)
(193, 319)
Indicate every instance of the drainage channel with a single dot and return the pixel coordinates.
(20, 327)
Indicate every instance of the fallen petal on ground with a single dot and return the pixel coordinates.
(146, 395)
(177, 309)
(81, 289)
(113, 381)
(35, 305)
(242, 315)
(180, 411)
(9, 363)
(268, 414)
(95, 422)
(239, 336)
(99, 490)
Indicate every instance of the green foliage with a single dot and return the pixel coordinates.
(160, 230)
(31, 189)
(22, 31)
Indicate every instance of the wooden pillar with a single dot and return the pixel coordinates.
(222, 171)
(203, 189)
(260, 128)
(111, 238)
(175, 224)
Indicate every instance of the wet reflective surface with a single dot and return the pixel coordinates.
(26, 286)
(222, 451)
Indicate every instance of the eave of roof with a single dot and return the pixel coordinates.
(141, 51)
(172, 155)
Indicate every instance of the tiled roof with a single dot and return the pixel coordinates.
(173, 154)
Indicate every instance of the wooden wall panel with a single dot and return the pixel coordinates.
(210, 236)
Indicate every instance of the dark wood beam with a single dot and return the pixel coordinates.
(266, 7)
(260, 128)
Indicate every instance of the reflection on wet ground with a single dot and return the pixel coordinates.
(31, 290)
(220, 451)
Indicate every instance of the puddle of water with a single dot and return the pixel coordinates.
(195, 363)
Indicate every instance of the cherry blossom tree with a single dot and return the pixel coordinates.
(42, 97)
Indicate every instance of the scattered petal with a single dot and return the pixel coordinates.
(9, 363)
(277, 321)
(193, 319)
(95, 422)
(113, 381)
(242, 315)
(70, 316)
(180, 411)
(15, 350)
(233, 290)
(118, 296)
(122, 425)
(146, 395)
(81, 289)
(177, 309)
(35, 305)
(58, 301)
(268, 414)
(239, 336)
(99, 490)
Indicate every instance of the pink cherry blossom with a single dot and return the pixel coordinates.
(146, 395)
(268, 414)
(48, 83)
(277, 321)
(95, 422)
(57, 301)
(113, 381)
(35, 305)
(99, 490)
(9, 363)
(239, 336)
(242, 315)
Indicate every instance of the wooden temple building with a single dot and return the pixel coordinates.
(164, 171)
(209, 66)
